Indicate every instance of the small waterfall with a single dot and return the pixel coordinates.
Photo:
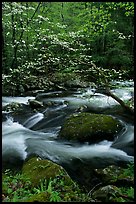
(33, 120)
(14, 147)
(125, 141)
(20, 142)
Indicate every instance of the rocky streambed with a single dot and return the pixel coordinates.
(84, 135)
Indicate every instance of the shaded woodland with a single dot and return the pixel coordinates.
(44, 37)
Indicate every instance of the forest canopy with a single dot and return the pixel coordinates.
(45, 37)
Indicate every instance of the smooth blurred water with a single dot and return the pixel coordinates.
(9, 99)
(37, 134)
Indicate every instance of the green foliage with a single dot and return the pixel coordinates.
(130, 170)
(126, 195)
(47, 36)
(127, 192)
(18, 188)
(54, 195)
(14, 187)
(41, 38)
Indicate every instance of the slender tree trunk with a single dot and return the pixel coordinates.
(21, 35)
(86, 5)
(91, 7)
(62, 16)
(44, 12)
(3, 51)
(14, 61)
(27, 39)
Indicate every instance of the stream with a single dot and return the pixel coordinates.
(29, 133)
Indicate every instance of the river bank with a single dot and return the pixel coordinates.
(31, 85)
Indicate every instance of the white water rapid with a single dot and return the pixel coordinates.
(37, 134)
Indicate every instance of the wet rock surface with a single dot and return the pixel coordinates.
(35, 104)
(38, 170)
(87, 127)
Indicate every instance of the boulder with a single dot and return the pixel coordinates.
(118, 176)
(106, 193)
(35, 104)
(92, 128)
(54, 182)
(38, 170)
(14, 106)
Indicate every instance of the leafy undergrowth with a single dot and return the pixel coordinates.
(20, 81)
(17, 188)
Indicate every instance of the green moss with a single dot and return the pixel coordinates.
(16, 188)
(106, 193)
(90, 127)
(38, 170)
(58, 183)
(40, 197)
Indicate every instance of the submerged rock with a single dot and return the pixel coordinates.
(87, 127)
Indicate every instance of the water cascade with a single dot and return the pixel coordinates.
(37, 135)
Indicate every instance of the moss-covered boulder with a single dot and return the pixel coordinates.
(56, 183)
(39, 197)
(87, 127)
(121, 177)
(38, 170)
(111, 193)
(106, 193)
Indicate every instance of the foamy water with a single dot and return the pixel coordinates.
(10, 99)
(18, 140)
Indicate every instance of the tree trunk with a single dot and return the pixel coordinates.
(21, 35)
(122, 103)
(27, 40)
(13, 37)
(62, 16)
(3, 51)
(106, 90)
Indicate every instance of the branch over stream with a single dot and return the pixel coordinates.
(106, 89)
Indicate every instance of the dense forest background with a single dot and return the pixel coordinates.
(39, 38)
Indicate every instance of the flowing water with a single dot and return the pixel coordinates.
(36, 133)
